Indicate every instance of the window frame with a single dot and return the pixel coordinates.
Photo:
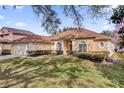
(101, 46)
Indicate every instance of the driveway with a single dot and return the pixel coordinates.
(4, 57)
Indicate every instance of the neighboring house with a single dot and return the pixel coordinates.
(70, 40)
(8, 35)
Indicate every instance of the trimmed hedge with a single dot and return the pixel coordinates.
(71, 52)
(6, 52)
(93, 56)
(38, 52)
(59, 52)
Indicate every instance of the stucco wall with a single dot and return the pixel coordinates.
(40, 46)
(89, 43)
(6, 46)
(95, 45)
(32, 46)
(92, 45)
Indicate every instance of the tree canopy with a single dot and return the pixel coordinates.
(50, 20)
(108, 33)
(118, 15)
(118, 19)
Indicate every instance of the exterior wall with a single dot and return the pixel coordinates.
(108, 46)
(90, 43)
(19, 47)
(40, 46)
(6, 46)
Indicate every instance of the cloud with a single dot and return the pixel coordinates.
(108, 9)
(114, 6)
(106, 22)
(20, 24)
(1, 17)
(8, 22)
(19, 7)
(105, 27)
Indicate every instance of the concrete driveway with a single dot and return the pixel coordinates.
(4, 57)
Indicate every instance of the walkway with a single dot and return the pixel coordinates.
(4, 57)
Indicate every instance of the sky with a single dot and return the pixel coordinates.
(24, 18)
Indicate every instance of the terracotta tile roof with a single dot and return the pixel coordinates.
(18, 31)
(83, 33)
(34, 38)
(5, 41)
(1, 32)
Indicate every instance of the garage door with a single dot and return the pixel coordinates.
(0, 49)
(20, 49)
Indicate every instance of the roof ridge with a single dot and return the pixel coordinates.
(20, 31)
(16, 28)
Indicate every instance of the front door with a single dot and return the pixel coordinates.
(70, 45)
(0, 49)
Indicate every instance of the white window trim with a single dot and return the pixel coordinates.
(103, 45)
(85, 43)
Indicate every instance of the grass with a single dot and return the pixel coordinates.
(118, 56)
(61, 71)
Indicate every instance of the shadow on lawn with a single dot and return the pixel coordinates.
(23, 72)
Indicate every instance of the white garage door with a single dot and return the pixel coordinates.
(20, 49)
(0, 49)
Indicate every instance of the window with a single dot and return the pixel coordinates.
(82, 46)
(59, 46)
(101, 45)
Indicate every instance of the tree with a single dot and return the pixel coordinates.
(107, 33)
(50, 20)
(118, 19)
(118, 15)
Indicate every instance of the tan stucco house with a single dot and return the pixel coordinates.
(82, 40)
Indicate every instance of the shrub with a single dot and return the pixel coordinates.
(70, 52)
(95, 57)
(59, 52)
(6, 52)
(38, 52)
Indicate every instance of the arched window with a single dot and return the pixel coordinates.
(82, 46)
(58, 46)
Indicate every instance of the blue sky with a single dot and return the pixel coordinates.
(24, 18)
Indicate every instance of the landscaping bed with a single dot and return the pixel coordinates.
(92, 56)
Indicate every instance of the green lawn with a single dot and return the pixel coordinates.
(118, 56)
(61, 71)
